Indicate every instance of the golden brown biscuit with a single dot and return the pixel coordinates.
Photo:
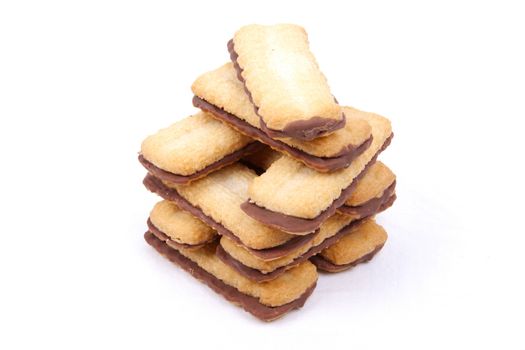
(376, 180)
(297, 199)
(283, 78)
(179, 226)
(193, 147)
(222, 94)
(267, 301)
(375, 192)
(359, 245)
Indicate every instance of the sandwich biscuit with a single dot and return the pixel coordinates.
(192, 148)
(297, 199)
(283, 79)
(360, 245)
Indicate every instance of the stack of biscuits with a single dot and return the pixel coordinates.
(272, 180)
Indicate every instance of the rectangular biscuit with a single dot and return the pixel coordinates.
(192, 148)
(280, 73)
(221, 94)
(296, 199)
(357, 246)
(375, 192)
(266, 301)
(177, 227)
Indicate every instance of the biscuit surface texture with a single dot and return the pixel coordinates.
(191, 144)
(282, 75)
(290, 188)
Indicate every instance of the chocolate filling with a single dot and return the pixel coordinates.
(248, 303)
(340, 160)
(306, 130)
(371, 206)
(174, 244)
(184, 179)
(297, 225)
(259, 276)
(156, 186)
(327, 266)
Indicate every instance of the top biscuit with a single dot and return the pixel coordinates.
(192, 144)
(286, 85)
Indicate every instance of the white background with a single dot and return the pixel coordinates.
(82, 83)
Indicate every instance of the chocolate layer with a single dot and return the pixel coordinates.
(258, 276)
(371, 206)
(305, 130)
(324, 164)
(297, 225)
(328, 266)
(174, 244)
(248, 303)
(156, 186)
(184, 179)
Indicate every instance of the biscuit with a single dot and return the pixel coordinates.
(221, 94)
(192, 148)
(357, 246)
(375, 192)
(261, 270)
(280, 73)
(297, 199)
(175, 226)
(216, 199)
(266, 301)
